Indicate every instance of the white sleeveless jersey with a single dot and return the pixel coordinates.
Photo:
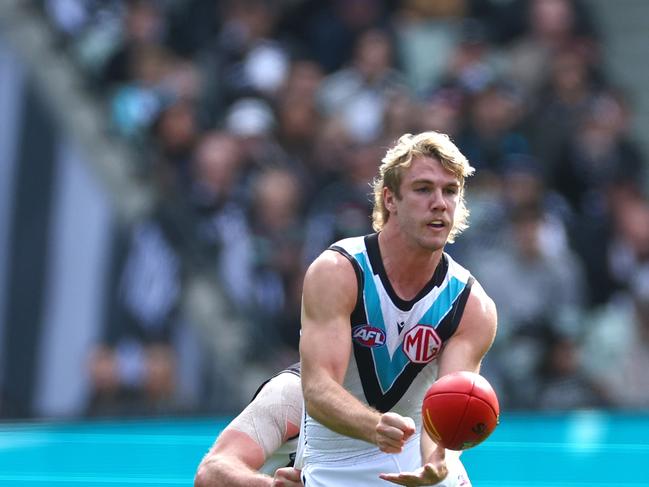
(395, 344)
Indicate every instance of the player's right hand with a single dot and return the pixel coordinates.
(392, 432)
(287, 477)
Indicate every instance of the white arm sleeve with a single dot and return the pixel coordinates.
(266, 418)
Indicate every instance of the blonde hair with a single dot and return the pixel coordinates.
(426, 144)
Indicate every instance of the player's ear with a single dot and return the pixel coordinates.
(388, 200)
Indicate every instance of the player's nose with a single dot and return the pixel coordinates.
(437, 201)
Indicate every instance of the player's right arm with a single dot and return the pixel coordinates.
(329, 296)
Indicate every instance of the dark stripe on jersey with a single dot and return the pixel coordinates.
(450, 322)
(374, 254)
(385, 402)
(358, 316)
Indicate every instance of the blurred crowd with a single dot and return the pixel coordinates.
(263, 122)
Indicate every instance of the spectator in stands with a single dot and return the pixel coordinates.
(561, 104)
(553, 26)
(472, 64)
(327, 31)
(603, 177)
(617, 345)
(599, 152)
(245, 58)
(340, 208)
(493, 130)
(218, 205)
(422, 28)
(523, 317)
(359, 93)
(174, 133)
(564, 384)
(133, 367)
(443, 110)
(275, 218)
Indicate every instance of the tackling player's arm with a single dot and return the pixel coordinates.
(329, 296)
(246, 443)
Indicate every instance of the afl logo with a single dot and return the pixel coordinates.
(368, 336)
(421, 344)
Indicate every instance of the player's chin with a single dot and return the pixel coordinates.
(435, 242)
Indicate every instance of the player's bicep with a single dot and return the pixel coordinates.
(329, 296)
(474, 336)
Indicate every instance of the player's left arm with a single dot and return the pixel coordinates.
(474, 336)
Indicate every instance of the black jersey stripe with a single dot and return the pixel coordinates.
(447, 327)
(358, 316)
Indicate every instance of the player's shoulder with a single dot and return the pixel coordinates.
(480, 311)
(282, 384)
(480, 300)
(330, 268)
(339, 255)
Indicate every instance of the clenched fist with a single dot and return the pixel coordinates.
(392, 432)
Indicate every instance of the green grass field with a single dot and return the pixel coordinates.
(531, 450)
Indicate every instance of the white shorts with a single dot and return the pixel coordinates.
(364, 471)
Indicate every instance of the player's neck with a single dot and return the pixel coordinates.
(408, 266)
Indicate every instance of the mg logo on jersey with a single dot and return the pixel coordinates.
(368, 336)
(421, 344)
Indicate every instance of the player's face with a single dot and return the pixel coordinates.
(429, 197)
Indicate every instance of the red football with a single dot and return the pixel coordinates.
(460, 410)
